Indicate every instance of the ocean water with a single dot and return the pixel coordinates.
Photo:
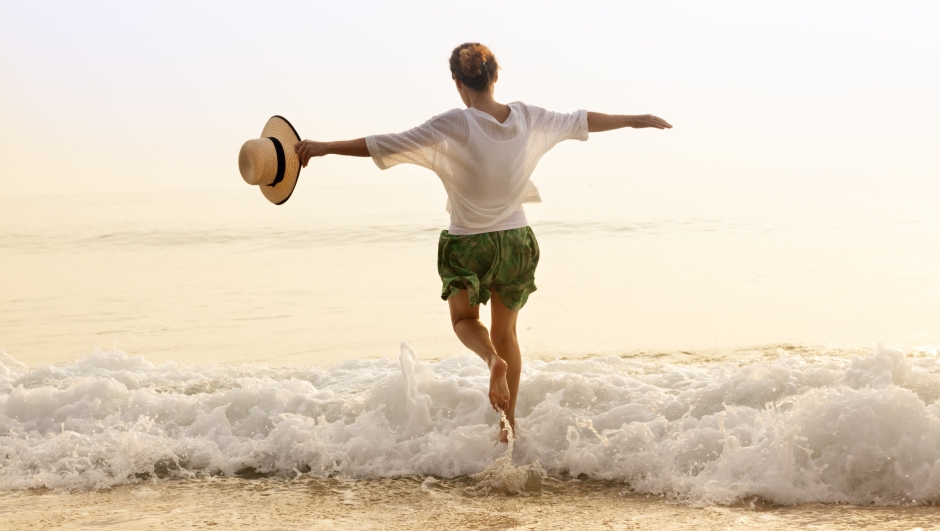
(701, 344)
(785, 427)
(348, 270)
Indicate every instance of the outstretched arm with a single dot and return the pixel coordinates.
(598, 122)
(351, 148)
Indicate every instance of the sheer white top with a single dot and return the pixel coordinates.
(485, 165)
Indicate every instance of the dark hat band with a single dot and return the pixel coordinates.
(281, 161)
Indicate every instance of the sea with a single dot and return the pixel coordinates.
(700, 354)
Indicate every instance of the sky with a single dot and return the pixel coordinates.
(99, 97)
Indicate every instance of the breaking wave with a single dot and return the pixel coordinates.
(797, 429)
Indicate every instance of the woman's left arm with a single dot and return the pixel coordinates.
(306, 149)
(598, 122)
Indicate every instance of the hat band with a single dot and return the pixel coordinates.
(281, 161)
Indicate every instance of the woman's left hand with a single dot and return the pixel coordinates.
(306, 149)
(648, 120)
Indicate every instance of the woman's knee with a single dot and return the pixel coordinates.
(460, 308)
(455, 320)
(503, 335)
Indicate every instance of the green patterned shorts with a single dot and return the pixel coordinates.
(503, 262)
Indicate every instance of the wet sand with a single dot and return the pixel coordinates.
(418, 503)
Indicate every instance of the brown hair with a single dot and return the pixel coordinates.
(474, 65)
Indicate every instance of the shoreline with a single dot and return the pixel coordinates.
(413, 502)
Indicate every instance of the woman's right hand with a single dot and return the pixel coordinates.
(306, 149)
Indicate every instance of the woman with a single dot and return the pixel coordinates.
(484, 156)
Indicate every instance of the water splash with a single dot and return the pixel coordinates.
(503, 476)
(795, 429)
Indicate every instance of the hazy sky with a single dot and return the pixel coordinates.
(135, 96)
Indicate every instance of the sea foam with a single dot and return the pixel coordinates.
(862, 430)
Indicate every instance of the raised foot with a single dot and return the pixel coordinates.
(499, 388)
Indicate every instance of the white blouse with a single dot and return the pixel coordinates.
(484, 165)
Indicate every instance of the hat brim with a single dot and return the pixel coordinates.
(278, 127)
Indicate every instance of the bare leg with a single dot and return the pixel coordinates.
(503, 336)
(472, 333)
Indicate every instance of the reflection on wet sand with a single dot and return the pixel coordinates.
(416, 502)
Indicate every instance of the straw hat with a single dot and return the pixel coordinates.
(270, 162)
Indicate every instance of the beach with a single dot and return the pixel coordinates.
(182, 365)
(403, 503)
(737, 316)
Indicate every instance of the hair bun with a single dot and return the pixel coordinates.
(473, 59)
(474, 65)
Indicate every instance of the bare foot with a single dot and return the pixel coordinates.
(499, 388)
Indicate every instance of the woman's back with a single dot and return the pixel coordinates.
(485, 165)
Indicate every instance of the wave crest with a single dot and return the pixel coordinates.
(864, 430)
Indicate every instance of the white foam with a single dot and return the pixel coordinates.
(795, 430)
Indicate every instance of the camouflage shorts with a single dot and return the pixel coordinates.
(502, 262)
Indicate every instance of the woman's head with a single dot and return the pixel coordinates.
(474, 65)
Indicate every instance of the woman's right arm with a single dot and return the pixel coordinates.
(417, 145)
(598, 122)
(307, 149)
